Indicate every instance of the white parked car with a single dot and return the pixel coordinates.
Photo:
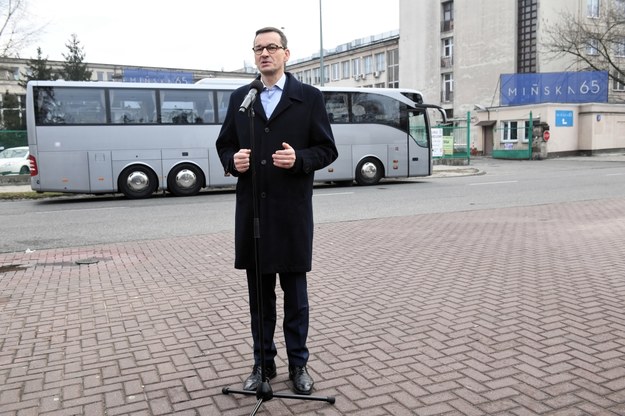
(14, 161)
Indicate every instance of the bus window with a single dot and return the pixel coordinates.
(418, 128)
(414, 96)
(375, 108)
(186, 107)
(130, 106)
(337, 106)
(223, 98)
(58, 105)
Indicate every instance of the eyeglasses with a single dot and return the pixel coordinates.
(271, 48)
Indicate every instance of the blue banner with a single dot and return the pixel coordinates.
(555, 87)
(150, 75)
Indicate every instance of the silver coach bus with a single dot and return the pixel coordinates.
(110, 137)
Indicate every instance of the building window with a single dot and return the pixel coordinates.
(448, 47)
(509, 131)
(307, 77)
(368, 64)
(526, 37)
(619, 47)
(526, 128)
(448, 88)
(448, 16)
(356, 71)
(618, 85)
(593, 8)
(447, 60)
(317, 76)
(592, 48)
(380, 62)
(335, 72)
(393, 68)
(346, 73)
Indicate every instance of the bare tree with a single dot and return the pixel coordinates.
(596, 43)
(16, 32)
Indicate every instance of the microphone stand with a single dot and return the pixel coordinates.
(264, 392)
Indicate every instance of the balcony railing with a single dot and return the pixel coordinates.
(447, 96)
(447, 25)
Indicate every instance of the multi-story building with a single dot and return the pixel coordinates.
(462, 53)
(484, 61)
(367, 62)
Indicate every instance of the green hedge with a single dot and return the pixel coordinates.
(13, 138)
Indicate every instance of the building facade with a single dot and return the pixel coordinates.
(367, 62)
(457, 52)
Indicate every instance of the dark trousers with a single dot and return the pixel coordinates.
(295, 322)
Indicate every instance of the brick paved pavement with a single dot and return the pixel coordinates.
(516, 311)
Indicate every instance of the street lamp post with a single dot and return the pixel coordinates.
(321, 44)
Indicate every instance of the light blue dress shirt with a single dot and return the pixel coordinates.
(270, 97)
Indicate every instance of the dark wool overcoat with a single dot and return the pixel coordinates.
(284, 196)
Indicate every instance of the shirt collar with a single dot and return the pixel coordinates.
(281, 82)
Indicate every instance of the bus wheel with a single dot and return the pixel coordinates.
(369, 171)
(185, 180)
(137, 182)
(24, 170)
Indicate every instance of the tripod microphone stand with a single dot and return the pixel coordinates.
(264, 392)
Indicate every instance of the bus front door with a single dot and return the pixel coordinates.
(419, 145)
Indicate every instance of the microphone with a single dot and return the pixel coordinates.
(255, 87)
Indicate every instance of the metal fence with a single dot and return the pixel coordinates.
(452, 141)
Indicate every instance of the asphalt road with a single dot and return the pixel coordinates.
(85, 220)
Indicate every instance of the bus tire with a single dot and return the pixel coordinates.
(137, 182)
(185, 180)
(369, 171)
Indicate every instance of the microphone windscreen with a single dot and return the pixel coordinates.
(257, 85)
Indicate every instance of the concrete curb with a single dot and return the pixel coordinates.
(14, 180)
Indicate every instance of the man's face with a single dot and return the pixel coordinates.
(270, 64)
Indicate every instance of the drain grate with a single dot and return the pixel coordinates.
(12, 268)
(89, 260)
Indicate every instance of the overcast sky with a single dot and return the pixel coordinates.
(199, 34)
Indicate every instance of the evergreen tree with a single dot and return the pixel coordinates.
(11, 119)
(37, 69)
(74, 69)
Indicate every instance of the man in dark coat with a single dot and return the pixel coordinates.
(292, 139)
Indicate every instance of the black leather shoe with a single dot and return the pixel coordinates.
(254, 380)
(302, 381)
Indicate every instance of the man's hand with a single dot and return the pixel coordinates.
(242, 160)
(284, 158)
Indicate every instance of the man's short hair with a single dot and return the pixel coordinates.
(270, 29)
